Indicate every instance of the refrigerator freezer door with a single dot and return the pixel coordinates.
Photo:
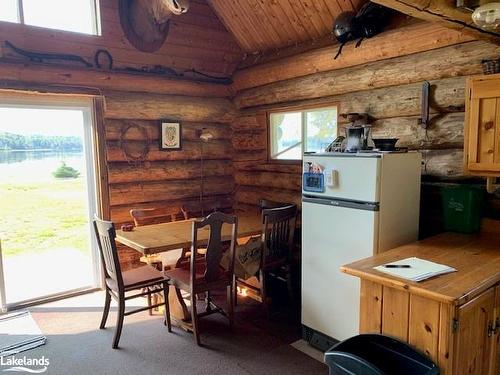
(348, 177)
(331, 237)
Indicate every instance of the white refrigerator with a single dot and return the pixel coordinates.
(353, 206)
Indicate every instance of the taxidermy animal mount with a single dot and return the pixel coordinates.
(145, 23)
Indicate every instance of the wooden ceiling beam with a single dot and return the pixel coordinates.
(14, 73)
(443, 12)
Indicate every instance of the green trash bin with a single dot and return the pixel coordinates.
(462, 206)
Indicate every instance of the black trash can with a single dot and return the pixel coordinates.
(372, 354)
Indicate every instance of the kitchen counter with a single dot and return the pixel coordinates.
(475, 257)
(453, 318)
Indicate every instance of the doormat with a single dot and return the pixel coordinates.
(18, 333)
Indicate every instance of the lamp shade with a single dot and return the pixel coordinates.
(206, 136)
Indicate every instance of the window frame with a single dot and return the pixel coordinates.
(303, 109)
(96, 16)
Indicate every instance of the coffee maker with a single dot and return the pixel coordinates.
(357, 132)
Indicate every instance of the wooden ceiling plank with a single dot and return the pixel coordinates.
(312, 15)
(265, 23)
(304, 16)
(333, 7)
(299, 29)
(442, 12)
(295, 10)
(282, 53)
(280, 17)
(242, 18)
(324, 14)
(227, 17)
(345, 5)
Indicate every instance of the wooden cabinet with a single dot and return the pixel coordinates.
(482, 126)
(474, 341)
(455, 318)
(495, 350)
(460, 339)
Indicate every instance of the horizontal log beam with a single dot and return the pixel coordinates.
(393, 43)
(287, 181)
(268, 167)
(190, 130)
(249, 140)
(251, 195)
(167, 171)
(443, 163)
(396, 101)
(445, 131)
(443, 12)
(250, 156)
(459, 60)
(32, 73)
(122, 105)
(130, 194)
(218, 149)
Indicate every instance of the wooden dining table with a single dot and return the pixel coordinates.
(159, 238)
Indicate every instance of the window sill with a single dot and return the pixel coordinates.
(285, 161)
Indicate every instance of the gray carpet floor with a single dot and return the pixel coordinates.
(257, 345)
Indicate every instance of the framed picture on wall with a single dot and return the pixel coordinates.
(170, 135)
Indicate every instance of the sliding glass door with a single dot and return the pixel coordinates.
(47, 200)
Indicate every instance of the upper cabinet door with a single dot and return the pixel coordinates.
(482, 128)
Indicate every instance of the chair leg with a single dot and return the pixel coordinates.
(208, 301)
(194, 319)
(149, 302)
(105, 313)
(235, 291)
(290, 285)
(119, 322)
(263, 292)
(167, 307)
(230, 305)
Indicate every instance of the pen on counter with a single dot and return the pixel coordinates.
(397, 266)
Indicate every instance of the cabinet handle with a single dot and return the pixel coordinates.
(491, 328)
(488, 125)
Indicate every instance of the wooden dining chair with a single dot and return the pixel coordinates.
(156, 215)
(194, 209)
(267, 203)
(207, 275)
(278, 230)
(145, 280)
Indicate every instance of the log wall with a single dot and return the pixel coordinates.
(165, 178)
(388, 90)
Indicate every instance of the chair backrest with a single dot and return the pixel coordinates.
(266, 203)
(213, 256)
(278, 232)
(157, 215)
(194, 209)
(105, 234)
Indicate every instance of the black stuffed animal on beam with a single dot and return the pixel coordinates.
(370, 20)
